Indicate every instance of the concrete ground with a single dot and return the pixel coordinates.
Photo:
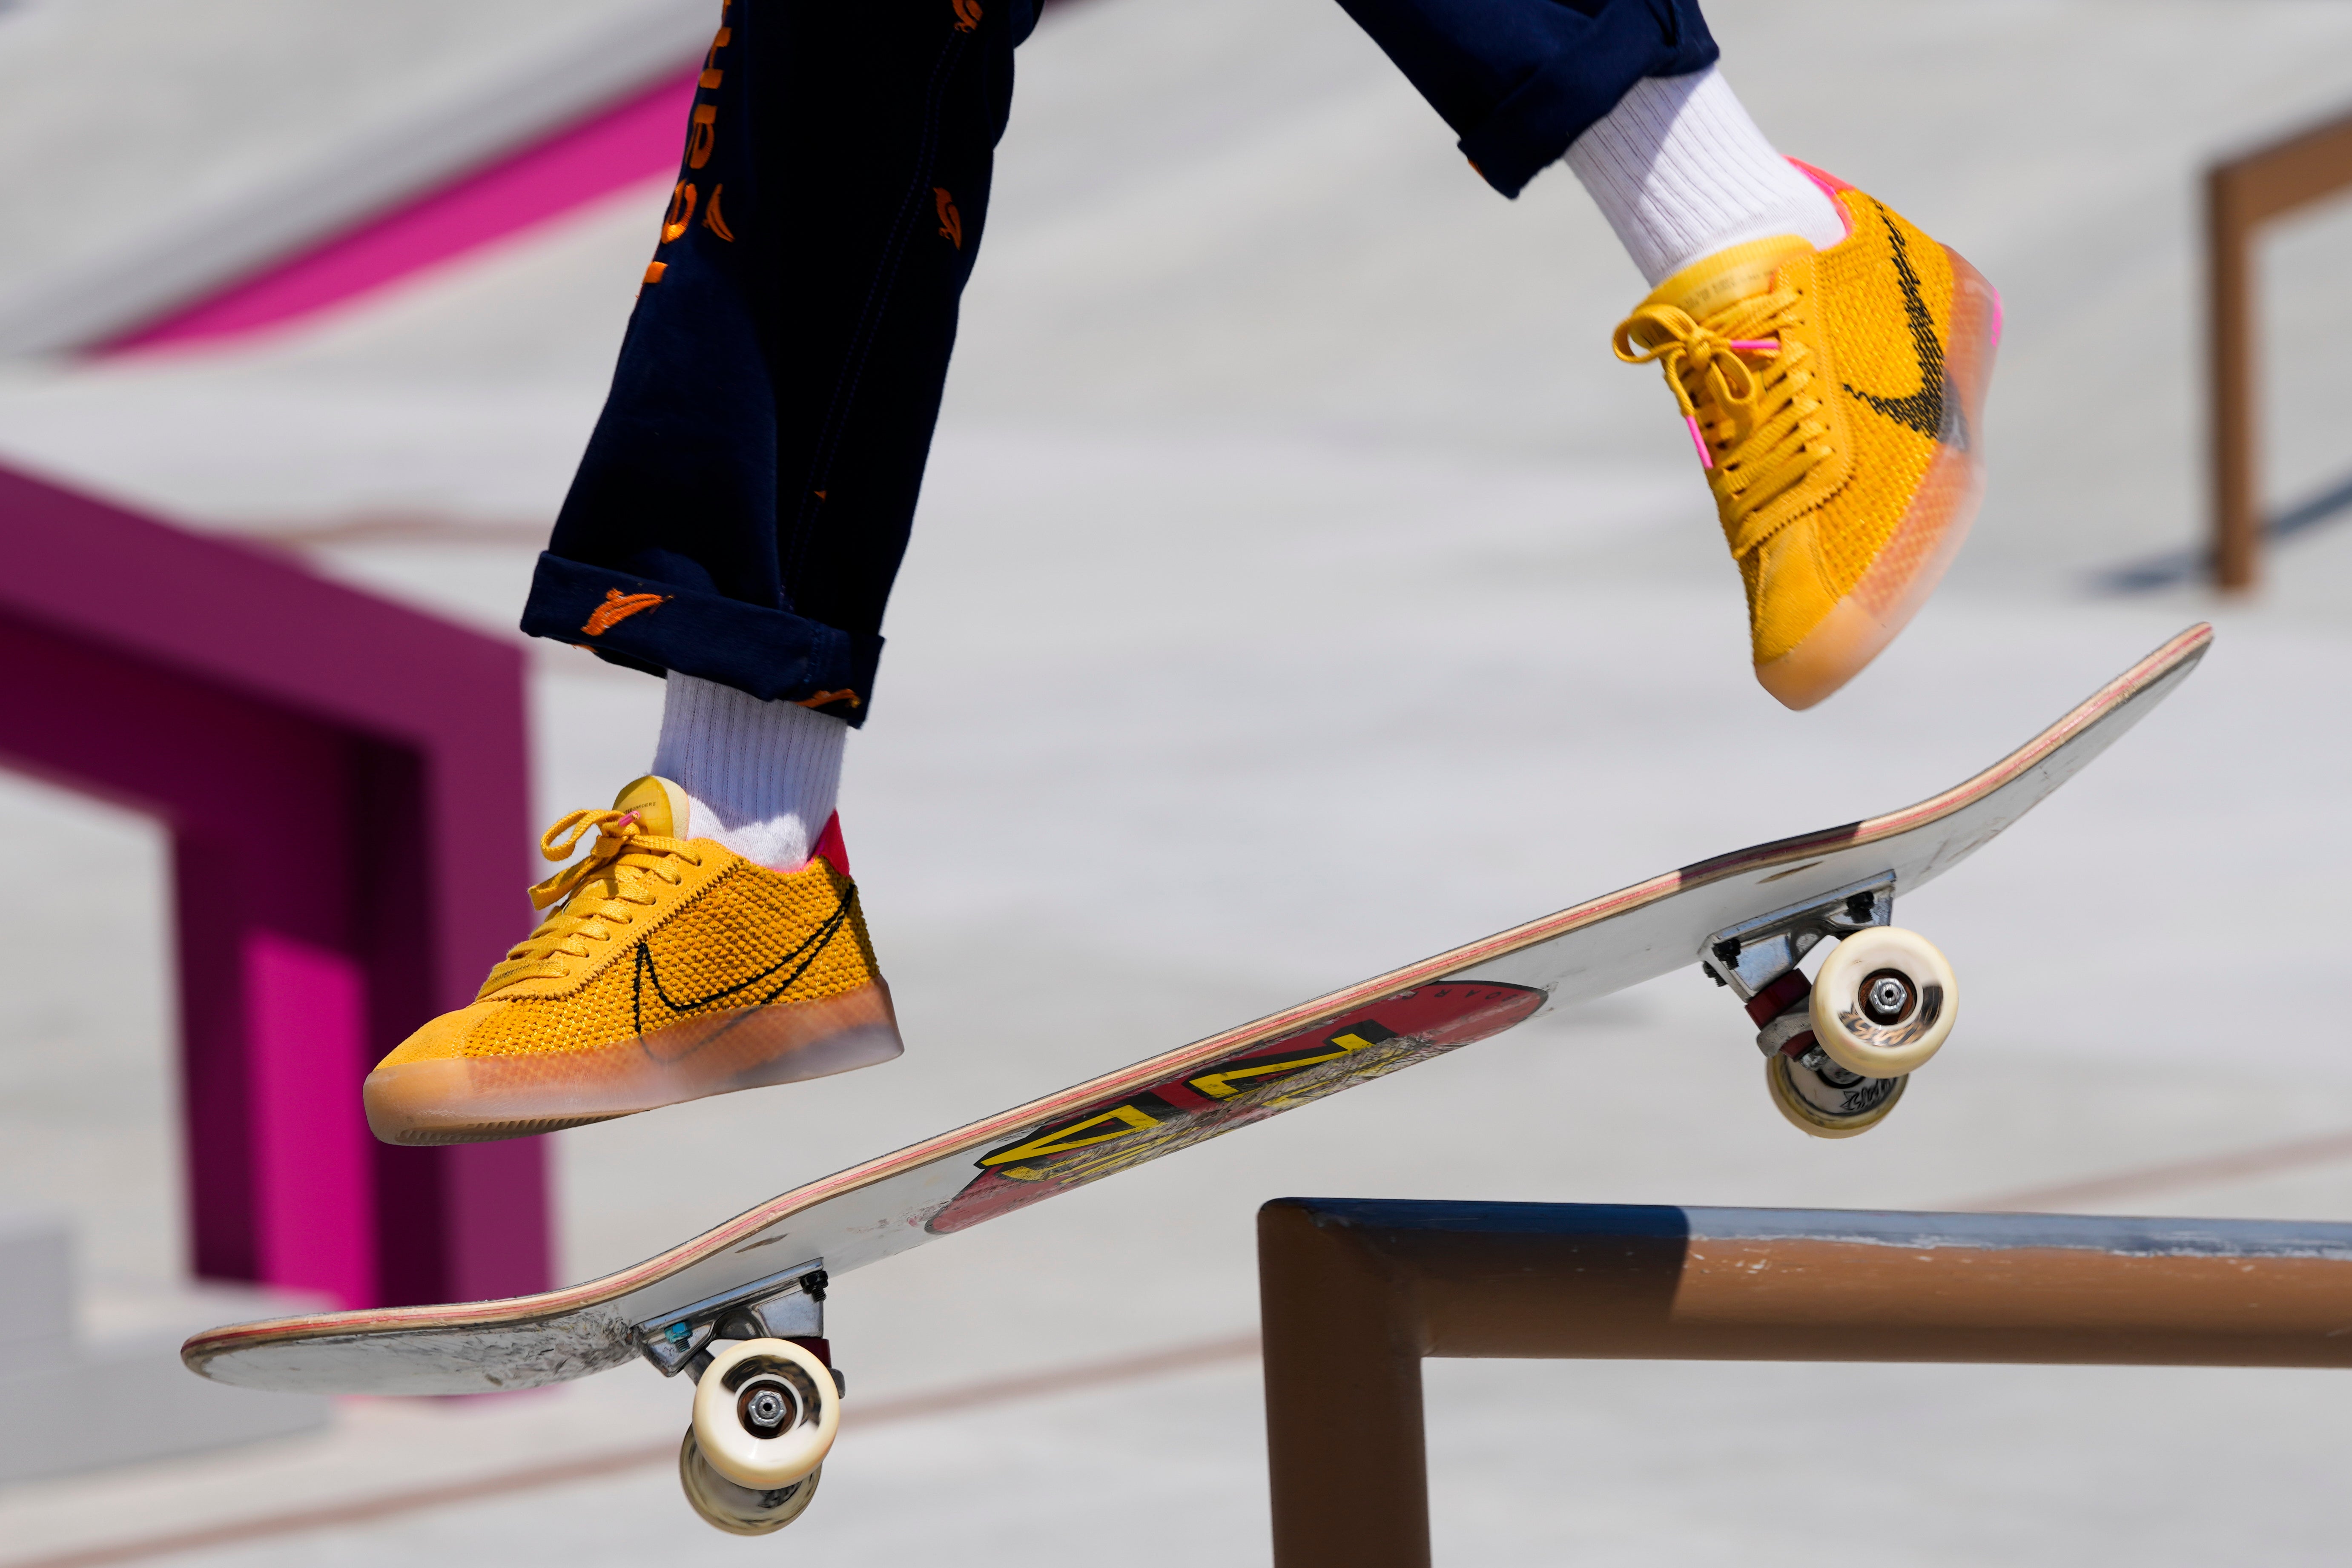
(208, 138)
(1300, 589)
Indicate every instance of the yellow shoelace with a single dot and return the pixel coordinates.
(624, 858)
(1758, 435)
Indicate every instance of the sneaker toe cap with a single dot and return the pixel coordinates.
(424, 1079)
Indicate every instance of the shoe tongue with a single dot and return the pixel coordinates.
(1714, 283)
(661, 807)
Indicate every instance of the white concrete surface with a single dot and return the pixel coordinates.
(72, 1399)
(88, 1099)
(1301, 588)
(152, 151)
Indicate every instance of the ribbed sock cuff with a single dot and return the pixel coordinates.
(763, 776)
(1681, 172)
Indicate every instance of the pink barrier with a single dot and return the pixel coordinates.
(305, 1011)
(346, 786)
(637, 140)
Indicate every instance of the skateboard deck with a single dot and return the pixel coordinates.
(1024, 1155)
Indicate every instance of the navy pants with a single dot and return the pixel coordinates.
(745, 498)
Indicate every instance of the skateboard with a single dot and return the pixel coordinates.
(739, 1309)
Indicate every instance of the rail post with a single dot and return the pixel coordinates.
(1354, 1293)
(2241, 194)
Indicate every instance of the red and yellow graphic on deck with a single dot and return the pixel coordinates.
(1369, 1041)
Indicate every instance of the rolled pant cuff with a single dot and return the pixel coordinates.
(1532, 128)
(660, 626)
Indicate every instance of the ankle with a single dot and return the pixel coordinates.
(1682, 172)
(762, 777)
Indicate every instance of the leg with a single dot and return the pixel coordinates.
(1519, 81)
(744, 501)
(735, 524)
(1829, 360)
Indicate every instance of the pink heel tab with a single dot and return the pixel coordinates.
(1829, 187)
(829, 847)
(1828, 182)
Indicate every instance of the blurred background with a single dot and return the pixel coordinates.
(1301, 588)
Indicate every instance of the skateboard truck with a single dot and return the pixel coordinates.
(1839, 1049)
(786, 1305)
(767, 1399)
(1752, 955)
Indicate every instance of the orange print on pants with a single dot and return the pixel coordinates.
(618, 607)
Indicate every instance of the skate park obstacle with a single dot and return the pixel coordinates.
(345, 786)
(1354, 1293)
(2242, 194)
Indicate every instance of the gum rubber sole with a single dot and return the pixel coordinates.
(491, 1131)
(479, 1098)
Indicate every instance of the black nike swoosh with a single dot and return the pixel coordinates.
(1932, 410)
(807, 952)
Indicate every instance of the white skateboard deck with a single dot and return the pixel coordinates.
(1024, 1155)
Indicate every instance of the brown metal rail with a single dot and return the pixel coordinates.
(1355, 1293)
(2240, 195)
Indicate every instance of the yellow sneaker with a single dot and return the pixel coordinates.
(1834, 397)
(670, 968)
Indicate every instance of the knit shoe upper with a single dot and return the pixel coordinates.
(667, 968)
(1835, 397)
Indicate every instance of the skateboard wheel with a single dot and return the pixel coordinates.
(736, 1508)
(1883, 1002)
(1816, 1105)
(765, 1413)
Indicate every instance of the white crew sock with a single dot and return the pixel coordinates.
(763, 776)
(1681, 172)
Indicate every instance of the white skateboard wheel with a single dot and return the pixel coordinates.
(1883, 1002)
(1819, 1109)
(765, 1413)
(739, 1510)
